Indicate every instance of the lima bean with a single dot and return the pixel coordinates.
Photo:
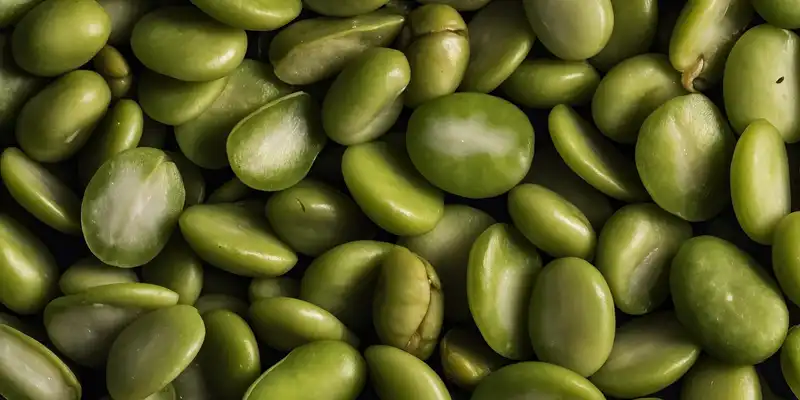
(502, 269)
(736, 288)
(572, 30)
(131, 207)
(760, 81)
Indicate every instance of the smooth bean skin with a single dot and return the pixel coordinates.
(124, 14)
(786, 256)
(128, 294)
(84, 326)
(55, 123)
(29, 370)
(313, 218)
(91, 272)
(500, 39)
(408, 307)
(546, 83)
(502, 269)
(342, 280)
(472, 145)
(781, 13)
(760, 81)
(320, 370)
(635, 27)
(289, 129)
(11, 11)
(254, 15)
(387, 187)
(152, 351)
(264, 288)
(344, 8)
(593, 157)
(710, 379)
(550, 171)
(703, 36)
(40, 192)
(174, 102)
(708, 274)
(159, 41)
(550, 222)
(649, 354)
(166, 393)
(120, 87)
(467, 359)
(110, 63)
(29, 271)
(235, 239)
(176, 268)
(366, 98)
(298, 51)
(229, 355)
(571, 319)
(634, 252)
(686, 130)
(119, 130)
(460, 5)
(57, 36)
(572, 30)
(790, 360)
(630, 92)
(284, 323)
(203, 139)
(436, 44)
(131, 206)
(393, 372)
(529, 379)
(447, 248)
(760, 182)
(18, 87)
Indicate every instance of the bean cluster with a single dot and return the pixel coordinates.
(399, 200)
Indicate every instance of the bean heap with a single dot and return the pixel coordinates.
(382, 222)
